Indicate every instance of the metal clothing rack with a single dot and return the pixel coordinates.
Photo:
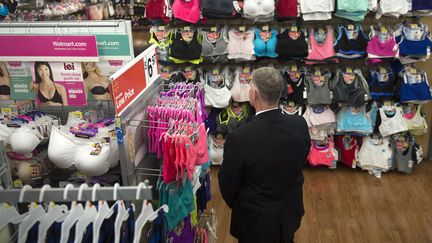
(70, 193)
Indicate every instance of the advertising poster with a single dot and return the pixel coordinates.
(58, 83)
(96, 78)
(15, 80)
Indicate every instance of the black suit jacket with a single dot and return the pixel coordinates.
(261, 177)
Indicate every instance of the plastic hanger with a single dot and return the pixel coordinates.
(147, 214)
(36, 212)
(90, 213)
(75, 214)
(54, 213)
(122, 215)
(104, 212)
(7, 214)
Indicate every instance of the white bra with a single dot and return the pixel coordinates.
(392, 125)
(65, 151)
(215, 152)
(256, 8)
(240, 89)
(24, 140)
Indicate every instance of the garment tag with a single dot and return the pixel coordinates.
(161, 28)
(77, 114)
(96, 149)
(414, 26)
(413, 70)
(246, 70)
(321, 31)
(304, 94)
(384, 30)
(331, 94)
(428, 52)
(265, 28)
(186, 28)
(333, 165)
(242, 28)
(291, 103)
(215, 71)
(349, 70)
(350, 27)
(354, 164)
(213, 29)
(410, 163)
(18, 183)
(294, 68)
(236, 6)
(317, 72)
(294, 28)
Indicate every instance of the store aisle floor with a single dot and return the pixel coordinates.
(352, 206)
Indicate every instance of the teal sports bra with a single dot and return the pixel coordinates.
(265, 49)
(180, 201)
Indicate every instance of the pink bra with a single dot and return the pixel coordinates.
(321, 52)
(187, 10)
(322, 155)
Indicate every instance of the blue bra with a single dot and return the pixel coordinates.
(414, 91)
(350, 122)
(265, 49)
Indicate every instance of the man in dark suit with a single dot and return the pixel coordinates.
(261, 177)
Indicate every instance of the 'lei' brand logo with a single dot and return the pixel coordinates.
(68, 66)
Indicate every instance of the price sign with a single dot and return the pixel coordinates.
(132, 79)
(151, 66)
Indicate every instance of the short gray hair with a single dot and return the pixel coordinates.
(269, 83)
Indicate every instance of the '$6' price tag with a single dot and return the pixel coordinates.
(149, 65)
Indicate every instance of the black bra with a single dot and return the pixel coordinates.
(4, 90)
(56, 97)
(99, 90)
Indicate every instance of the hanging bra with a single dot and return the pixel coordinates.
(294, 90)
(265, 49)
(216, 96)
(215, 152)
(325, 155)
(182, 51)
(351, 48)
(99, 90)
(321, 52)
(55, 99)
(218, 51)
(349, 121)
(156, 10)
(24, 140)
(227, 120)
(415, 88)
(260, 10)
(292, 44)
(352, 94)
(241, 86)
(4, 89)
(414, 41)
(188, 11)
(417, 124)
(378, 49)
(392, 124)
(162, 46)
(381, 85)
(241, 45)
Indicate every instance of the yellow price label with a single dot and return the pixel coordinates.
(242, 28)
(213, 29)
(265, 27)
(6, 110)
(77, 114)
(215, 72)
(161, 28)
(294, 28)
(349, 70)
